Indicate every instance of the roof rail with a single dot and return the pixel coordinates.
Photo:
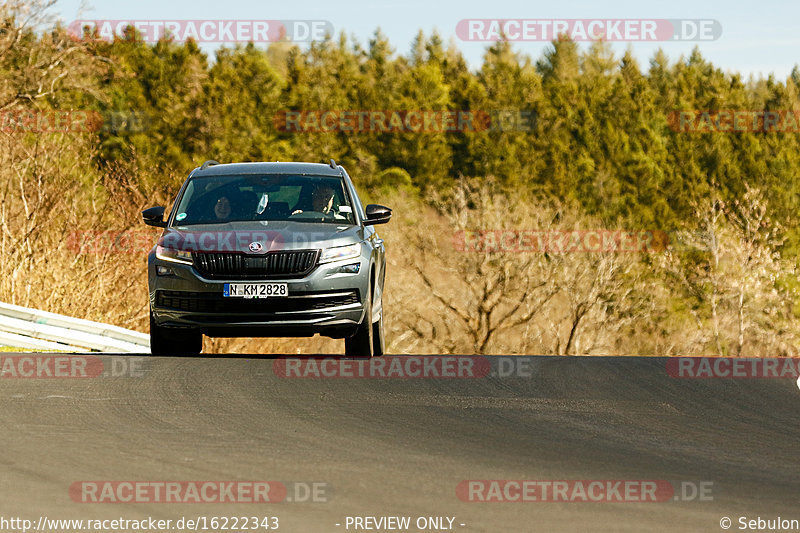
(209, 163)
(333, 164)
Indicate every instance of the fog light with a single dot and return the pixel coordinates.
(163, 271)
(350, 269)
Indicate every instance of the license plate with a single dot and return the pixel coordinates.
(255, 290)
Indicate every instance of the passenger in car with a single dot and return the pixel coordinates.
(222, 209)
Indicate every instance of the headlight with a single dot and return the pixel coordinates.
(340, 252)
(173, 256)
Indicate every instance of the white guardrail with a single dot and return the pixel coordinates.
(32, 329)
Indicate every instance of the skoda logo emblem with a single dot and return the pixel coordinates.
(255, 247)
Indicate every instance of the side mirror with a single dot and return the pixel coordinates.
(154, 217)
(377, 214)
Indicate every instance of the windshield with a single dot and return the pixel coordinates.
(221, 199)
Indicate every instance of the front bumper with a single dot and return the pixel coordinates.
(326, 301)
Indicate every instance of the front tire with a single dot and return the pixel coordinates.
(362, 344)
(378, 340)
(168, 341)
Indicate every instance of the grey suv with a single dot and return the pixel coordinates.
(267, 250)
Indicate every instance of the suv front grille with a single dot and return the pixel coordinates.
(285, 264)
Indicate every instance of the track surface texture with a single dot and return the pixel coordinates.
(400, 447)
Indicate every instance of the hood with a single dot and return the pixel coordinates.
(259, 237)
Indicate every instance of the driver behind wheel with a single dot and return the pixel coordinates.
(321, 200)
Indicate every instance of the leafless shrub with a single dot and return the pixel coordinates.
(39, 59)
(510, 302)
(731, 268)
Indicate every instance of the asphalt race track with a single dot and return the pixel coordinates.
(400, 447)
